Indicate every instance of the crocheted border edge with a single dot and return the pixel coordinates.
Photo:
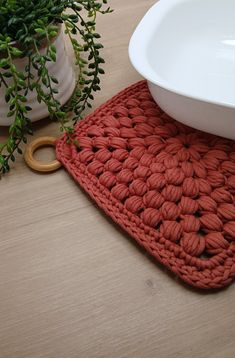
(168, 256)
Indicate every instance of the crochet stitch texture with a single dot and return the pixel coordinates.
(171, 187)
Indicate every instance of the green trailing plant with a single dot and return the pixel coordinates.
(26, 26)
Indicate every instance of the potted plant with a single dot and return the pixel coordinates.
(36, 77)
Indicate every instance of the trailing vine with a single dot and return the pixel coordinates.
(26, 26)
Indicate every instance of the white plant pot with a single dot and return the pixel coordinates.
(62, 69)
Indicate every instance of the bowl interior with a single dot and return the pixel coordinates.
(192, 49)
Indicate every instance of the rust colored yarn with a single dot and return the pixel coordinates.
(171, 187)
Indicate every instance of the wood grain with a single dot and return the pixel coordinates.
(72, 285)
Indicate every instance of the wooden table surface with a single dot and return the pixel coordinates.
(74, 286)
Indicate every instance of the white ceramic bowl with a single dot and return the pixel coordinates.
(186, 51)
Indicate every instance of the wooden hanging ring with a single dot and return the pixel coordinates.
(33, 163)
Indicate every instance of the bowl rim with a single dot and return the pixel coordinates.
(137, 50)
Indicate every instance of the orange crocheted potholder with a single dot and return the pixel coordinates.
(171, 187)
